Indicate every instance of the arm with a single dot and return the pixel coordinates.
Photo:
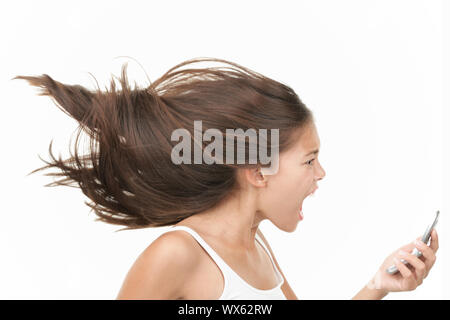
(160, 272)
(286, 288)
(370, 294)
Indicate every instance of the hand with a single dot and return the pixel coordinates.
(409, 276)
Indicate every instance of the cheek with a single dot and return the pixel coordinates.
(306, 180)
(297, 178)
(284, 189)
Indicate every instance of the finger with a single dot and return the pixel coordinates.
(419, 266)
(434, 244)
(428, 254)
(410, 282)
(405, 272)
(409, 247)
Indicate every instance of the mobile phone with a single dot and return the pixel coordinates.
(426, 236)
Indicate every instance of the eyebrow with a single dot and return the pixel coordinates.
(316, 151)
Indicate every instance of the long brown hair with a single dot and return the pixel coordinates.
(128, 173)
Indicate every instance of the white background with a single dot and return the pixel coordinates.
(373, 73)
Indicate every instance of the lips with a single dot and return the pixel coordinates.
(300, 213)
(300, 209)
(312, 192)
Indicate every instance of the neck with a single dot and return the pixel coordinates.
(235, 220)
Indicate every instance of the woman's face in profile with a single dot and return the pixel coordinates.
(297, 177)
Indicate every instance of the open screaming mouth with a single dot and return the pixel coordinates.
(300, 210)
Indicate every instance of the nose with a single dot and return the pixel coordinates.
(321, 173)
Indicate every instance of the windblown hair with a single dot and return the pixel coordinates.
(128, 172)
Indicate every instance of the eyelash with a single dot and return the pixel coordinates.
(310, 161)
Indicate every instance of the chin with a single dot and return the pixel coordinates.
(291, 228)
(288, 227)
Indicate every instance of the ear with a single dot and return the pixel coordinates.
(255, 177)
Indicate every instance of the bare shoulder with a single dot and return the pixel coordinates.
(162, 269)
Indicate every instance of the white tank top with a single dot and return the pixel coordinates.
(236, 288)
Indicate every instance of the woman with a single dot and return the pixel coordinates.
(214, 249)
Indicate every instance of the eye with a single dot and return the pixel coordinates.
(310, 162)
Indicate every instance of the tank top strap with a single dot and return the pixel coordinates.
(217, 259)
(280, 276)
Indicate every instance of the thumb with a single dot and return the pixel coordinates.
(410, 246)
